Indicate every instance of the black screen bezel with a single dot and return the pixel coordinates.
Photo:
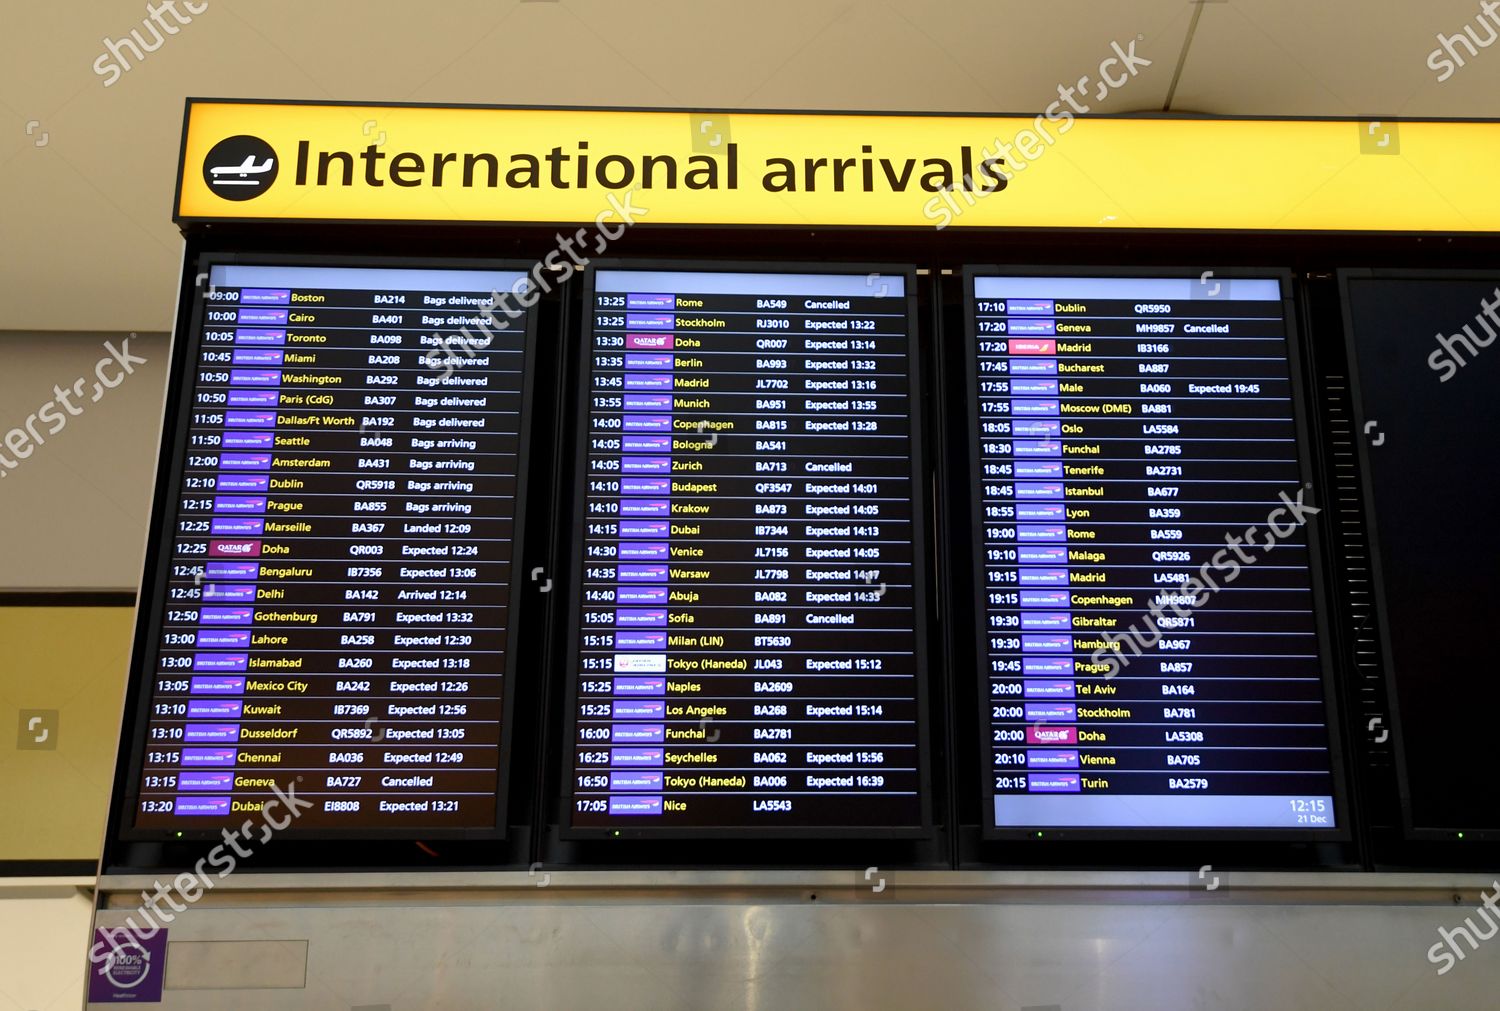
(573, 625)
(178, 407)
(1410, 830)
(1302, 410)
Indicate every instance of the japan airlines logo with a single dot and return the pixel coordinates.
(239, 168)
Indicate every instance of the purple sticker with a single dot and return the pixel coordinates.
(128, 965)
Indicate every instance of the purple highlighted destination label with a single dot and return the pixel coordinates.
(1049, 689)
(1031, 306)
(649, 321)
(265, 296)
(635, 780)
(231, 570)
(645, 507)
(646, 402)
(262, 317)
(1032, 408)
(641, 640)
(207, 756)
(648, 361)
(642, 573)
(1039, 665)
(248, 440)
(643, 551)
(254, 377)
(229, 592)
(640, 686)
(1059, 759)
(1040, 511)
(1036, 428)
(250, 419)
(647, 423)
(645, 485)
(205, 780)
(1034, 327)
(648, 301)
(208, 733)
(640, 618)
(234, 548)
(214, 709)
(648, 380)
(1041, 621)
(265, 337)
(1033, 555)
(1044, 598)
(223, 662)
(257, 356)
(228, 526)
(639, 709)
(638, 733)
(191, 806)
(1062, 782)
(641, 594)
(634, 805)
(637, 756)
(1032, 447)
(216, 686)
(1038, 490)
(209, 638)
(1044, 577)
(1022, 366)
(646, 443)
(226, 615)
(1047, 643)
(1040, 532)
(254, 398)
(244, 482)
(643, 341)
(238, 504)
(1033, 387)
(645, 464)
(644, 528)
(1052, 712)
(245, 461)
(1039, 468)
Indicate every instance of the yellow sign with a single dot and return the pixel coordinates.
(293, 162)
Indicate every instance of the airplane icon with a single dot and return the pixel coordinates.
(243, 170)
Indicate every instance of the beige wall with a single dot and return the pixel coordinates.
(68, 663)
(73, 513)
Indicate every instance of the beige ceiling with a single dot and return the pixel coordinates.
(85, 218)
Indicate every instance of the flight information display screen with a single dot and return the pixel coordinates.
(1425, 375)
(749, 653)
(1148, 628)
(332, 615)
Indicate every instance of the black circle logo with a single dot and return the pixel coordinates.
(239, 168)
